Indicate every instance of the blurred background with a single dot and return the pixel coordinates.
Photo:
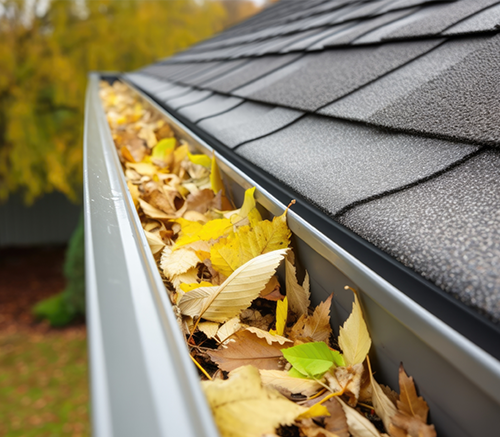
(47, 48)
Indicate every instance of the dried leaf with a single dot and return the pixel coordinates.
(215, 178)
(242, 407)
(174, 263)
(209, 328)
(201, 202)
(272, 290)
(316, 327)
(310, 429)
(236, 293)
(156, 244)
(153, 212)
(382, 405)
(349, 379)
(281, 315)
(354, 338)
(336, 423)
(280, 379)
(247, 348)
(228, 329)
(359, 426)
(270, 338)
(298, 295)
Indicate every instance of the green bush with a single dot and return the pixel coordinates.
(64, 307)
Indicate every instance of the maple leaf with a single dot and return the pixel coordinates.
(298, 295)
(247, 348)
(281, 315)
(225, 301)
(354, 338)
(242, 407)
(359, 426)
(411, 417)
(281, 380)
(316, 327)
(248, 242)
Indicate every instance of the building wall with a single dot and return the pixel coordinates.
(50, 220)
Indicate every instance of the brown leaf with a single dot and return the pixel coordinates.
(316, 327)
(336, 422)
(272, 290)
(310, 429)
(200, 202)
(350, 378)
(253, 317)
(134, 145)
(164, 131)
(297, 295)
(247, 348)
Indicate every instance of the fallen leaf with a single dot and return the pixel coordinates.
(359, 426)
(254, 318)
(272, 290)
(310, 429)
(349, 379)
(156, 244)
(246, 348)
(280, 379)
(354, 338)
(310, 359)
(209, 328)
(211, 230)
(281, 316)
(177, 262)
(163, 148)
(336, 423)
(236, 293)
(153, 212)
(270, 338)
(201, 201)
(298, 295)
(382, 405)
(242, 407)
(202, 160)
(316, 327)
(316, 410)
(194, 285)
(215, 178)
(228, 329)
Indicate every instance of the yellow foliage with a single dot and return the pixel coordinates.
(209, 231)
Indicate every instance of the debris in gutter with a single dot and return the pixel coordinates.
(270, 363)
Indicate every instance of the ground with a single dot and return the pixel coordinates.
(43, 371)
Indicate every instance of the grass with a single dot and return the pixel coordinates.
(43, 384)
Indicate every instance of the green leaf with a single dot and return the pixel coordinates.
(163, 147)
(294, 373)
(310, 359)
(338, 358)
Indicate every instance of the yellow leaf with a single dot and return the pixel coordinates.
(188, 287)
(281, 315)
(242, 407)
(203, 160)
(248, 242)
(236, 293)
(215, 178)
(315, 411)
(280, 379)
(247, 211)
(359, 425)
(298, 295)
(354, 339)
(163, 148)
(209, 231)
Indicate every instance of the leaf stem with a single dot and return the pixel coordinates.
(201, 368)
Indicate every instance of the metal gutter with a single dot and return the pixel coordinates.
(460, 380)
(142, 380)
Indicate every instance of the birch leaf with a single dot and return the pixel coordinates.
(211, 230)
(270, 338)
(178, 262)
(242, 407)
(280, 379)
(156, 244)
(281, 315)
(310, 359)
(153, 212)
(227, 329)
(298, 295)
(316, 327)
(354, 339)
(359, 426)
(248, 242)
(209, 328)
(236, 293)
(247, 348)
(382, 405)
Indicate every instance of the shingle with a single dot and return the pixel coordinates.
(349, 34)
(207, 108)
(334, 163)
(318, 79)
(254, 69)
(486, 20)
(148, 83)
(367, 9)
(461, 103)
(175, 91)
(365, 102)
(446, 229)
(434, 19)
(166, 71)
(324, 33)
(248, 121)
(216, 71)
(193, 96)
(402, 4)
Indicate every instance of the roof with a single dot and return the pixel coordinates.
(385, 115)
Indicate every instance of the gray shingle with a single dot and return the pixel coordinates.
(318, 79)
(193, 96)
(208, 74)
(254, 69)
(175, 91)
(335, 163)
(365, 102)
(207, 108)
(486, 20)
(248, 121)
(324, 33)
(148, 83)
(461, 103)
(447, 229)
(167, 71)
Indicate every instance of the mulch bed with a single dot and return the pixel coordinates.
(28, 275)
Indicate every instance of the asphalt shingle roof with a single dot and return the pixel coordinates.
(384, 115)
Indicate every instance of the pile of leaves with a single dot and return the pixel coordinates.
(270, 364)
